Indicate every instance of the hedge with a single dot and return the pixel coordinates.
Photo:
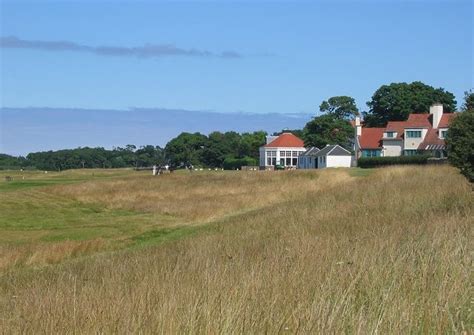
(371, 162)
(237, 163)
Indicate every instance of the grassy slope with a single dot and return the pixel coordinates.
(270, 252)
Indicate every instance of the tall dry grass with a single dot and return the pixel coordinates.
(202, 196)
(389, 253)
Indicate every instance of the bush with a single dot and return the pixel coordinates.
(460, 140)
(371, 162)
(231, 163)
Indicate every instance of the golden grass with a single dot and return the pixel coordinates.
(389, 253)
(41, 254)
(201, 196)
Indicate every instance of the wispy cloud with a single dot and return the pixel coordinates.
(146, 51)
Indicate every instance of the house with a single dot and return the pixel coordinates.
(283, 150)
(419, 133)
(308, 159)
(333, 155)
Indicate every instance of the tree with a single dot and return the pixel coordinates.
(460, 139)
(328, 129)
(342, 107)
(468, 101)
(250, 144)
(186, 149)
(396, 101)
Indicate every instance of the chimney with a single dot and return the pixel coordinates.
(436, 110)
(358, 126)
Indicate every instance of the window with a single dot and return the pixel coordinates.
(390, 134)
(288, 154)
(282, 154)
(413, 133)
(288, 161)
(371, 153)
(295, 161)
(282, 161)
(442, 133)
(271, 157)
(409, 152)
(295, 153)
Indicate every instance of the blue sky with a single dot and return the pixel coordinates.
(225, 57)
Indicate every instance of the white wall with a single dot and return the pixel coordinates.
(392, 148)
(338, 161)
(414, 143)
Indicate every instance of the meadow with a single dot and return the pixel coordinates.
(331, 251)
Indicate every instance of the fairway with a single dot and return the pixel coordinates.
(335, 250)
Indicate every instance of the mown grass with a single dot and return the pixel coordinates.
(292, 252)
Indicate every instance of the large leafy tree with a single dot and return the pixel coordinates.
(186, 149)
(396, 101)
(250, 144)
(460, 139)
(328, 129)
(342, 107)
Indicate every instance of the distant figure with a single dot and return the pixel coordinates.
(8, 178)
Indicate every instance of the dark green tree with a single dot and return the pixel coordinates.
(250, 144)
(468, 101)
(396, 101)
(342, 107)
(328, 129)
(186, 149)
(460, 139)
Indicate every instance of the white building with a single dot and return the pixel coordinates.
(420, 133)
(333, 156)
(283, 150)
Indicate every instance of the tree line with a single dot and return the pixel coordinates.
(331, 125)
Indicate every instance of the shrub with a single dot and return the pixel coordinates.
(371, 162)
(231, 163)
(460, 140)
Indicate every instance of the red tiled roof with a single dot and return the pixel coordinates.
(397, 126)
(432, 138)
(371, 138)
(446, 119)
(418, 120)
(286, 140)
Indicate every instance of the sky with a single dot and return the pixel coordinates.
(219, 57)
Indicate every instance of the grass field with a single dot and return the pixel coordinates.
(333, 251)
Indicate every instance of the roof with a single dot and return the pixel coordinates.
(418, 121)
(446, 119)
(432, 141)
(333, 150)
(398, 127)
(371, 138)
(311, 151)
(286, 140)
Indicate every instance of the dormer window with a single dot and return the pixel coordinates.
(442, 133)
(390, 134)
(413, 133)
